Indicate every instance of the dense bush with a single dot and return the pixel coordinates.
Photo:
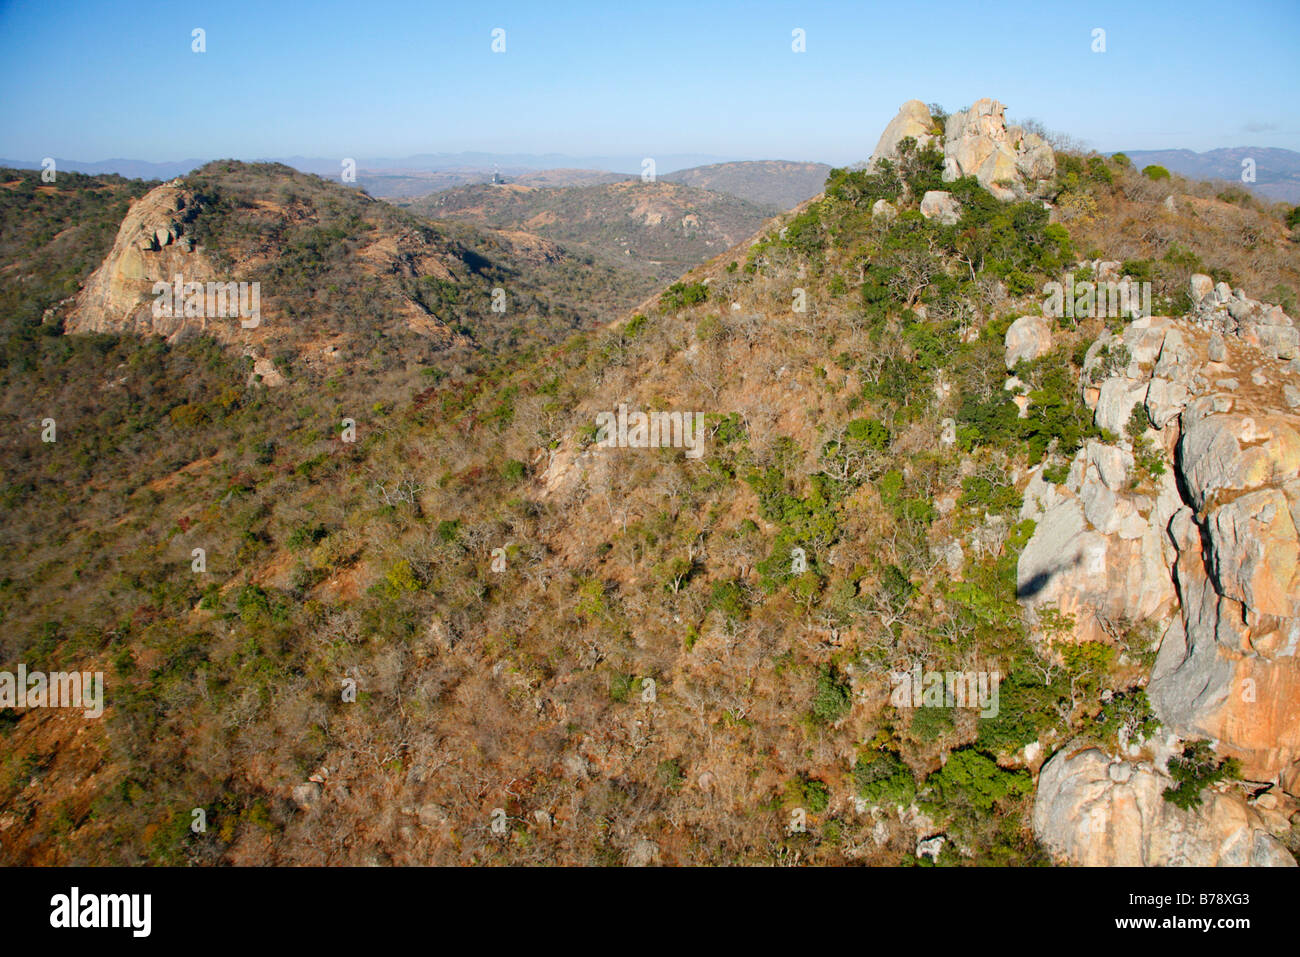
(682, 294)
(882, 779)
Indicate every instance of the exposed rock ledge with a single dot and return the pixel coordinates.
(1095, 811)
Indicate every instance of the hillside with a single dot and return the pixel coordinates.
(490, 628)
(776, 183)
(342, 279)
(51, 238)
(653, 231)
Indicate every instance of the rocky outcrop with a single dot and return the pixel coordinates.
(1209, 551)
(1093, 810)
(1228, 311)
(1227, 668)
(153, 245)
(1229, 671)
(1007, 161)
(913, 120)
(158, 279)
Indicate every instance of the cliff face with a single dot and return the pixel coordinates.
(1208, 551)
(154, 243)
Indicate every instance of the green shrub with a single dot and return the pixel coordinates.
(980, 492)
(1195, 769)
(1056, 474)
(882, 778)
(861, 189)
(1027, 706)
(680, 295)
(636, 325)
(620, 687)
(710, 328)
(399, 580)
(1129, 711)
(931, 724)
(1146, 454)
(1019, 283)
(920, 169)
(305, 536)
(670, 774)
(868, 432)
(811, 794)
(729, 598)
(1098, 171)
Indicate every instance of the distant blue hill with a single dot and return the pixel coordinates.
(1277, 171)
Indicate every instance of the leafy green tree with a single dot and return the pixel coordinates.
(680, 295)
(1129, 712)
(1028, 705)
(920, 168)
(972, 781)
(833, 697)
(1194, 770)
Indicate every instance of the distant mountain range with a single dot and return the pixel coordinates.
(421, 163)
(1277, 171)
(131, 169)
(779, 183)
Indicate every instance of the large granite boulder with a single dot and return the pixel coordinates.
(1209, 551)
(1230, 672)
(1099, 552)
(913, 120)
(937, 204)
(1029, 337)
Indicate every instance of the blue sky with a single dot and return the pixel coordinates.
(90, 81)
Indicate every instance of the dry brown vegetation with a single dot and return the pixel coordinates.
(526, 690)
